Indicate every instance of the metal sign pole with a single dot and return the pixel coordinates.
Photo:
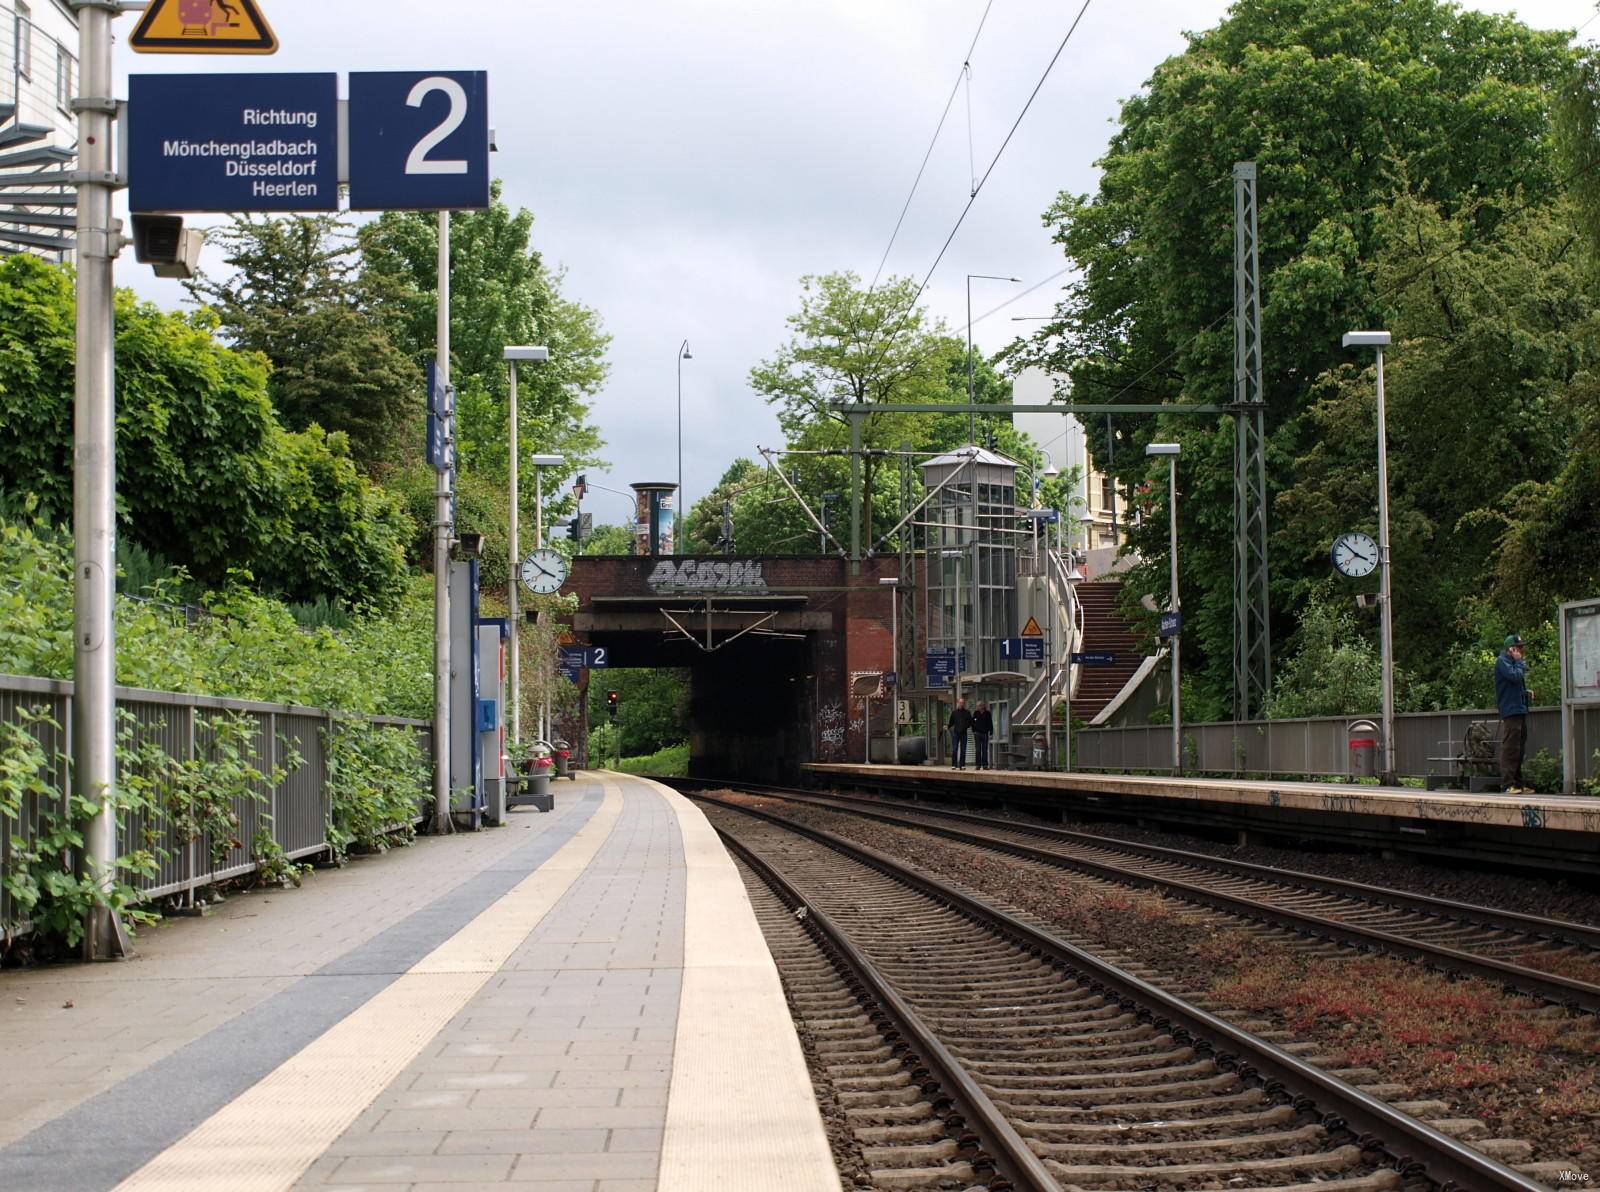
(514, 576)
(441, 558)
(94, 478)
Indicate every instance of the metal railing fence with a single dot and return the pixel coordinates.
(1425, 743)
(295, 810)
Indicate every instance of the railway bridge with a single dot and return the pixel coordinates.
(777, 648)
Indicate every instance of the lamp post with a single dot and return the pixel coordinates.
(1170, 450)
(677, 524)
(1377, 341)
(513, 356)
(972, 414)
(892, 582)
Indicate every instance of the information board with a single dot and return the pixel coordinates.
(1583, 653)
(419, 140)
(233, 142)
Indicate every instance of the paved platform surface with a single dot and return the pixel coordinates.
(579, 1000)
(1554, 812)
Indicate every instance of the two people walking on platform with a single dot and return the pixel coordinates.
(981, 725)
(1512, 697)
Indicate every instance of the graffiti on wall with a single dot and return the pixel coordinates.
(707, 575)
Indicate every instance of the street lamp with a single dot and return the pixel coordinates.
(892, 582)
(515, 355)
(1171, 450)
(972, 414)
(1377, 341)
(677, 532)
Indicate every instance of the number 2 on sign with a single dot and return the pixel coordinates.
(418, 162)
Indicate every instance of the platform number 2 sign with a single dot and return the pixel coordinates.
(419, 141)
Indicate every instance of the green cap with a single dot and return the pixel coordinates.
(1513, 639)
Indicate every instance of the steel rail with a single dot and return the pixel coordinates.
(1415, 1147)
(1564, 991)
(1553, 929)
(1010, 1153)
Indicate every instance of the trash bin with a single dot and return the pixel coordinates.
(1040, 762)
(562, 753)
(1363, 736)
(913, 751)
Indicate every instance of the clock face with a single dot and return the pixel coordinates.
(1355, 555)
(544, 571)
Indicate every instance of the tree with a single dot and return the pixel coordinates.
(865, 347)
(608, 540)
(501, 293)
(652, 706)
(1339, 103)
(207, 476)
(299, 297)
(1492, 332)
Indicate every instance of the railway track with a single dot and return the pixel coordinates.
(1512, 949)
(1104, 1080)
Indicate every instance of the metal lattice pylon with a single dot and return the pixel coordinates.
(1252, 632)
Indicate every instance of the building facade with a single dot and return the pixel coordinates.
(1101, 508)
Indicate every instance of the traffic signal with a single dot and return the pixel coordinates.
(611, 703)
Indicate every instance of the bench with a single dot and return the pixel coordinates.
(1476, 761)
(520, 793)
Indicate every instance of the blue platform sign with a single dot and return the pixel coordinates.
(233, 142)
(1094, 658)
(1171, 624)
(419, 140)
(1027, 649)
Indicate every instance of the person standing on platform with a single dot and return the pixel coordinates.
(960, 722)
(982, 730)
(1512, 696)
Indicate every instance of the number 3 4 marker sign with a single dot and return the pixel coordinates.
(416, 140)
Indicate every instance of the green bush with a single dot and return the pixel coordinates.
(54, 898)
(671, 761)
(377, 779)
(246, 647)
(207, 477)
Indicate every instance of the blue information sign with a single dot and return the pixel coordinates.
(419, 140)
(1027, 649)
(234, 142)
(1171, 624)
(1095, 658)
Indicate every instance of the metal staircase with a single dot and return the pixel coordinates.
(1030, 710)
(34, 173)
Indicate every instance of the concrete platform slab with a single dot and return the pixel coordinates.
(1559, 830)
(592, 1006)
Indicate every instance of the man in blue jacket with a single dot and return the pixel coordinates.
(1512, 696)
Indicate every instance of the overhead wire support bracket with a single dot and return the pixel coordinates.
(770, 454)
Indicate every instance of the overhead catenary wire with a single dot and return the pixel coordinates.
(961, 74)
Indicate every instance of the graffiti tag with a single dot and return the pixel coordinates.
(721, 575)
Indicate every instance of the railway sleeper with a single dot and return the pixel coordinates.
(1224, 1148)
(1186, 1175)
(1277, 1115)
(1044, 1116)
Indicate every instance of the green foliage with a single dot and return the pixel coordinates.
(43, 888)
(1345, 106)
(501, 292)
(207, 478)
(248, 646)
(609, 540)
(298, 296)
(377, 780)
(1334, 671)
(653, 706)
(672, 760)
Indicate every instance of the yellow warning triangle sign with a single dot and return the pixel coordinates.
(203, 27)
(1031, 629)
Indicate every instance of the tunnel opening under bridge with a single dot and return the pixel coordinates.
(773, 648)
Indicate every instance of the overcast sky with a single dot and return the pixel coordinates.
(687, 161)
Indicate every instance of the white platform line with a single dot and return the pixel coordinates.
(264, 1139)
(741, 1112)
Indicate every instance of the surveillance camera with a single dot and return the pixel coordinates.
(162, 242)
